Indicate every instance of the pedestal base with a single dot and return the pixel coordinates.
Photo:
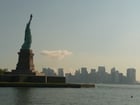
(25, 63)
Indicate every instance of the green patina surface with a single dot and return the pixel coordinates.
(28, 37)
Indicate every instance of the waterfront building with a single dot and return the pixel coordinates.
(131, 75)
(77, 73)
(101, 74)
(84, 71)
(113, 74)
(48, 72)
(84, 75)
(61, 72)
(92, 76)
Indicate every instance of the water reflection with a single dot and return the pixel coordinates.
(22, 96)
(103, 95)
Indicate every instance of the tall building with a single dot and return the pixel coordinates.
(131, 75)
(84, 71)
(92, 71)
(101, 74)
(77, 73)
(113, 75)
(48, 72)
(84, 75)
(61, 72)
(117, 79)
(92, 76)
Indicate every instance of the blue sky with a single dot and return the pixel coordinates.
(95, 32)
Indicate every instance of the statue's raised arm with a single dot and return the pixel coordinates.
(28, 37)
(31, 16)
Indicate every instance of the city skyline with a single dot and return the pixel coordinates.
(73, 34)
(84, 75)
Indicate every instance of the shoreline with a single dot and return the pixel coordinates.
(45, 85)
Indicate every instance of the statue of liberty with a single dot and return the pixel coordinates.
(28, 37)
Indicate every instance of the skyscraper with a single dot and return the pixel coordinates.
(48, 72)
(84, 71)
(113, 74)
(60, 72)
(101, 74)
(131, 75)
(84, 75)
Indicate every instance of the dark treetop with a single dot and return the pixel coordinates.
(28, 37)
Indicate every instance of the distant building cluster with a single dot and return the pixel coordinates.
(51, 72)
(100, 76)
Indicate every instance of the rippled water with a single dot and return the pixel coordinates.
(101, 95)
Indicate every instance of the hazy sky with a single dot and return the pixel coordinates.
(73, 33)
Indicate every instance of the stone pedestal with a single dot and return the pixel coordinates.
(25, 63)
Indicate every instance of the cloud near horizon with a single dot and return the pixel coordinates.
(56, 54)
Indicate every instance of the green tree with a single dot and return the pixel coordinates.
(2, 71)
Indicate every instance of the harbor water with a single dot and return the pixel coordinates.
(100, 95)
